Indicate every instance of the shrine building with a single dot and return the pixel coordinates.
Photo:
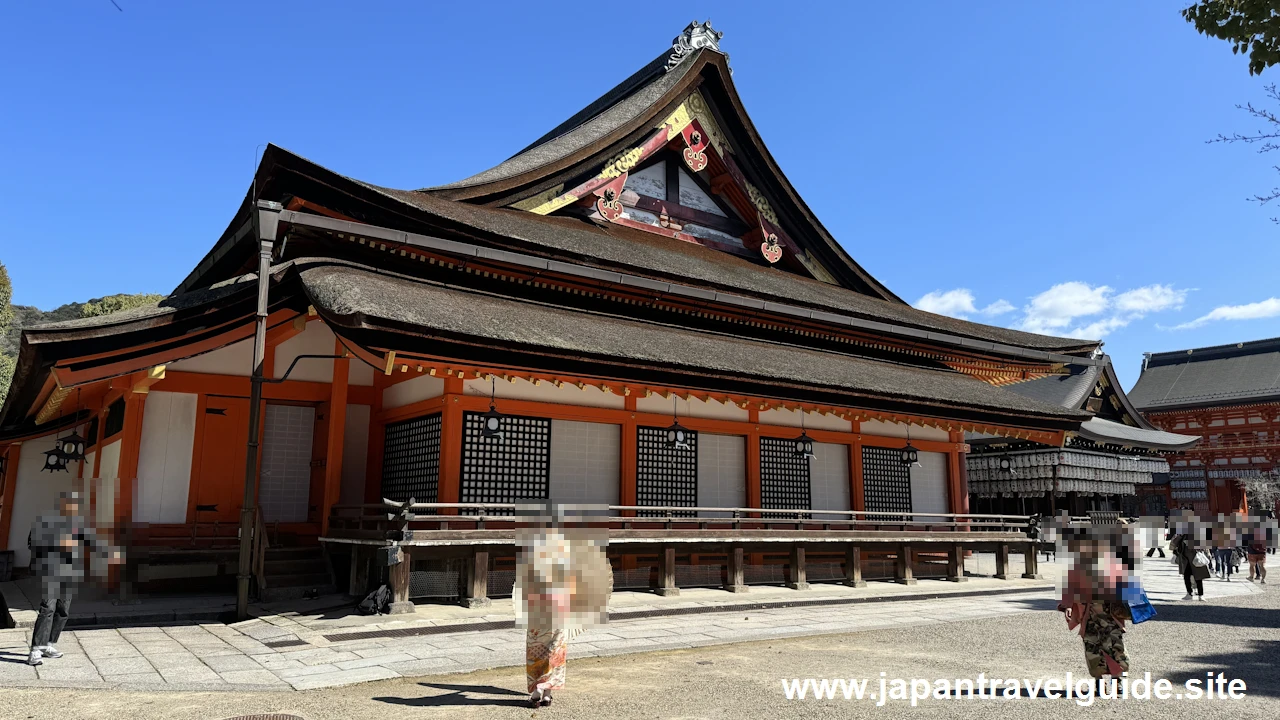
(637, 310)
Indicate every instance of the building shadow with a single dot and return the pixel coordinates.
(1206, 614)
(460, 696)
(1255, 664)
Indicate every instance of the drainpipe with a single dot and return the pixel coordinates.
(266, 221)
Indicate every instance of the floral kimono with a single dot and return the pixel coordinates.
(563, 585)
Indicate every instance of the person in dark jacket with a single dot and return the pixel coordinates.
(1184, 551)
(58, 544)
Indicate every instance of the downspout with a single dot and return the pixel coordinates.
(267, 218)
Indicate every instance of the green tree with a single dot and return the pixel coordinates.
(116, 303)
(1251, 26)
(7, 362)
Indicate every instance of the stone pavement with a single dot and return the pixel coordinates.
(300, 651)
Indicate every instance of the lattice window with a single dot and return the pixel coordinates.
(784, 476)
(886, 482)
(411, 460)
(666, 476)
(515, 467)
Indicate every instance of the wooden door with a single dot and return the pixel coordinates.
(218, 478)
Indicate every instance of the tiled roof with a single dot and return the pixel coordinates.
(362, 297)
(1205, 377)
(649, 254)
(629, 99)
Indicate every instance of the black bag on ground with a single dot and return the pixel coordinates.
(6, 620)
(377, 602)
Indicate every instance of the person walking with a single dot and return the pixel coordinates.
(1159, 538)
(1091, 601)
(58, 544)
(1190, 565)
(1257, 550)
(563, 585)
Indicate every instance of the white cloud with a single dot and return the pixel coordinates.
(1066, 304)
(999, 307)
(1054, 309)
(1099, 329)
(956, 303)
(1252, 311)
(1149, 299)
(960, 303)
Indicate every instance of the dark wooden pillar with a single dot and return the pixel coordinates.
(955, 563)
(735, 579)
(799, 575)
(667, 572)
(358, 581)
(475, 582)
(853, 566)
(399, 577)
(904, 572)
(1031, 567)
(1002, 561)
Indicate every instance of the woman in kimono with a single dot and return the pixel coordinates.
(563, 584)
(1091, 602)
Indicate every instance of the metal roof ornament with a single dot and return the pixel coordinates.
(696, 35)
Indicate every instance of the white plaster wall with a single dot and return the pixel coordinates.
(108, 481)
(234, 359)
(408, 392)
(355, 453)
(651, 181)
(545, 392)
(812, 420)
(36, 494)
(899, 430)
(692, 195)
(315, 339)
(722, 472)
(829, 479)
(692, 408)
(929, 485)
(164, 458)
(359, 372)
(585, 462)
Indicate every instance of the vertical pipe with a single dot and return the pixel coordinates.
(266, 216)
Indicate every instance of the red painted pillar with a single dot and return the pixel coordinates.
(450, 488)
(12, 454)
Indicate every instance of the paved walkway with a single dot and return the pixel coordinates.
(303, 651)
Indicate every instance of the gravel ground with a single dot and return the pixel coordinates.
(1239, 636)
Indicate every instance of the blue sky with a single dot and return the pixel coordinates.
(1037, 165)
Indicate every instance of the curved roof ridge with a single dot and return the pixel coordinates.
(622, 104)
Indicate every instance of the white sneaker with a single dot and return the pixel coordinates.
(50, 651)
(1200, 598)
(1188, 597)
(34, 658)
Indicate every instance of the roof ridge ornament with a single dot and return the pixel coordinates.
(697, 35)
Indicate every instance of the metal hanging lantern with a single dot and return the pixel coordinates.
(72, 447)
(803, 446)
(54, 460)
(492, 420)
(677, 436)
(909, 455)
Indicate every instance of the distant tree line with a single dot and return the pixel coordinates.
(13, 318)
